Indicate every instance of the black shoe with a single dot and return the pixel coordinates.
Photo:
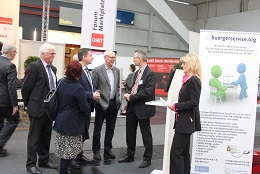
(145, 164)
(74, 164)
(126, 159)
(34, 170)
(84, 160)
(3, 152)
(97, 156)
(109, 154)
(48, 165)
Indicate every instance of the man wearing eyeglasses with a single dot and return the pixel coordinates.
(106, 78)
(8, 101)
(40, 77)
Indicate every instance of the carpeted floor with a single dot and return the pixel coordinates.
(119, 152)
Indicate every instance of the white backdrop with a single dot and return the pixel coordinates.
(31, 48)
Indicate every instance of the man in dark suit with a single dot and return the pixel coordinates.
(8, 101)
(1, 45)
(1, 122)
(85, 58)
(142, 91)
(106, 78)
(38, 80)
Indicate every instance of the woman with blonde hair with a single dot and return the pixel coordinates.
(187, 115)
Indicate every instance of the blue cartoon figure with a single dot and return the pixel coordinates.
(216, 72)
(241, 68)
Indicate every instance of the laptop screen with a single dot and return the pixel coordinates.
(228, 79)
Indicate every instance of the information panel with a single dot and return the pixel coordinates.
(98, 24)
(162, 68)
(228, 109)
(6, 29)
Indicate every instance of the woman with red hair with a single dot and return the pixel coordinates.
(69, 123)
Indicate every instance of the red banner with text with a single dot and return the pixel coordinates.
(162, 68)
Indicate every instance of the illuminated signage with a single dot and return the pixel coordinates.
(66, 18)
(124, 17)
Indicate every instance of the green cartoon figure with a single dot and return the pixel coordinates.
(216, 72)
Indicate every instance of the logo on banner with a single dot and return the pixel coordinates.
(97, 40)
(3, 36)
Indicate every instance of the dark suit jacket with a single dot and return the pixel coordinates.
(101, 82)
(129, 81)
(188, 120)
(87, 86)
(73, 108)
(8, 93)
(145, 93)
(35, 88)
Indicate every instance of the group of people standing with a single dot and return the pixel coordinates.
(79, 92)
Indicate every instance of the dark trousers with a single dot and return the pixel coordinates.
(12, 121)
(110, 114)
(39, 138)
(180, 154)
(131, 127)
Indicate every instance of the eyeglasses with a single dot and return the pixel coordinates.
(111, 57)
(15, 52)
(53, 54)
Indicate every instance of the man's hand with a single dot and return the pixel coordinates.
(15, 110)
(96, 95)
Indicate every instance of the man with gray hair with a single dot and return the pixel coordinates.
(137, 112)
(8, 101)
(106, 78)
(40, 77)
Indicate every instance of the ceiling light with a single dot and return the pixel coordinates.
(180, 2)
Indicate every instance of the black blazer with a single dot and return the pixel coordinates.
(187, 108)
(35, 88)
(8, 93)
(145, 93)
(72, 109)
(87, 86)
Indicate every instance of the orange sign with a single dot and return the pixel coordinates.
(8, 21)
(97, 40)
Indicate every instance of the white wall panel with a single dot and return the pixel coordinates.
(132, 36)
(253, 5)
(159, 26)
(231, 22)
(142, 21)
(209, 10)
(128, 50)
(119, 34)
(188, 13)
(161, 40)
(141, 37)
(133, 5)
(189, 24)
(184, 12)
(225, 7)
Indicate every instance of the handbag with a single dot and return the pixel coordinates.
(51, 103)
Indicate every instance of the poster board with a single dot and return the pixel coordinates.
(225, 144)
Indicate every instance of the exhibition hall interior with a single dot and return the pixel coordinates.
(223, 33)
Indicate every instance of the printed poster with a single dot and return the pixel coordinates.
(230, 65)
(98, 24)
(6, 30)
(162, 68)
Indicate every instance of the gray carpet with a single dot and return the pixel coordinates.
(112, 166)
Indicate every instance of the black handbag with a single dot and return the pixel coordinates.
(51, 103)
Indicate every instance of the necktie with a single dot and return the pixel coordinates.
(136, 82)
(89, 78)
(52, 84)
